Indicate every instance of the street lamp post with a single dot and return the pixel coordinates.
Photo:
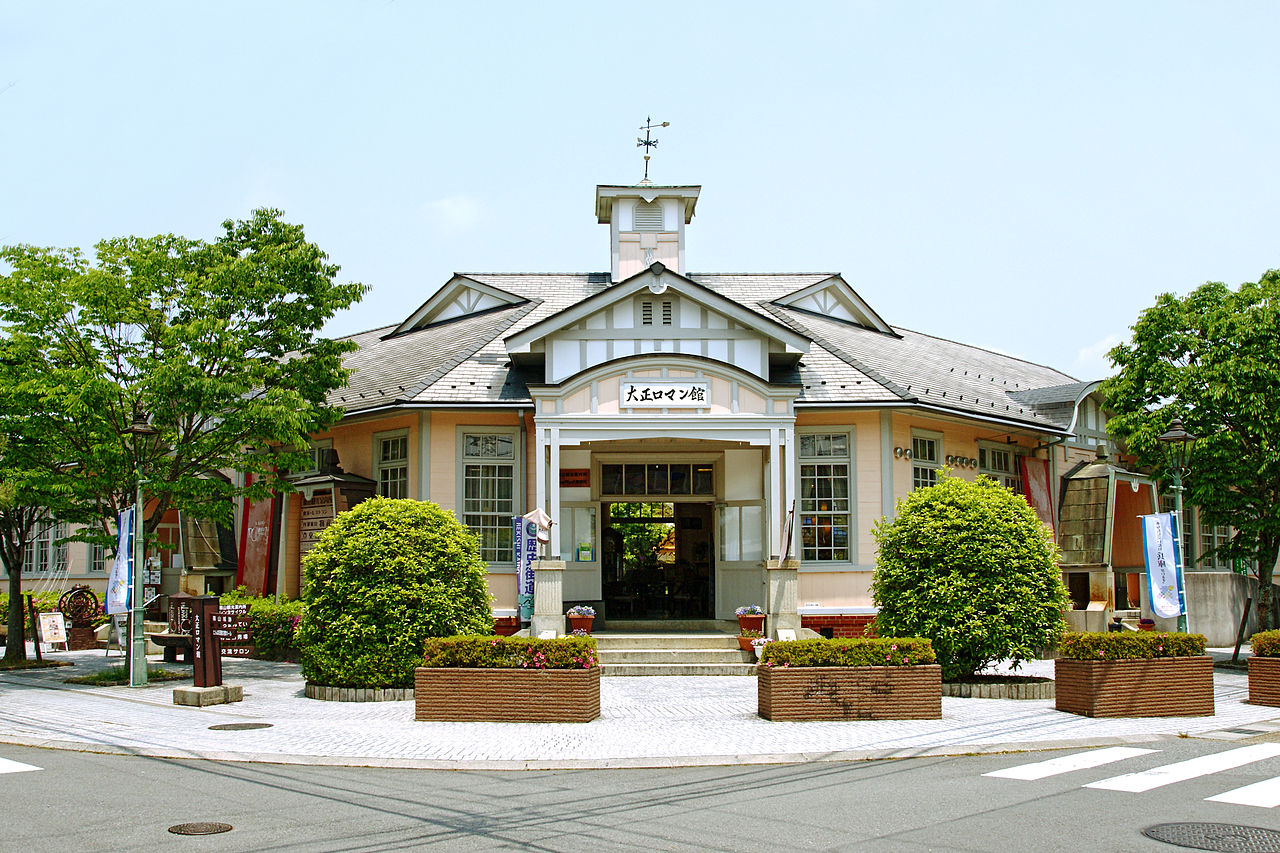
(139, 429)
(1181, 442)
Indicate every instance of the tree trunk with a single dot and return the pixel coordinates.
(15, 649)
(1265, 608)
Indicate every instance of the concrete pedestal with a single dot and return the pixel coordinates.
(548, 598)
(782, 604)
(202, 696)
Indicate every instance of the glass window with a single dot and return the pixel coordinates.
(392, 467)
(926, 464)
(488, 501)
(657, 479)
(1210, 539)
(578, 534)
(97, 558)
(825, 505)
(742, 533)
(1001, 465)
(43, 554)
(1184, 524)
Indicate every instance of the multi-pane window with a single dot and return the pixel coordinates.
(1184, 525)
(488, 489)
(825, 510)
(392, 466)
(97, 558)
(1001, 465)
(926, 461)
(1211, 538)
(657, 479)
(43, 554)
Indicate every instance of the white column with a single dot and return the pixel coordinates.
(554, 485)
(282, 588)
(540, 472)
(424, 456)
(776, 514)
(789, 473)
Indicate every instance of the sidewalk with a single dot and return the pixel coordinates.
(646, 722)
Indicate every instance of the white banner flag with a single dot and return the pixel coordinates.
(1160, 548)
(120, 584)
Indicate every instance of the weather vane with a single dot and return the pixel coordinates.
(648, 143)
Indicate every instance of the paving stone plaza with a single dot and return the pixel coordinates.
(645, 722)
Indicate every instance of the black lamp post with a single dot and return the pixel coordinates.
(1181, 441)
(140, 428)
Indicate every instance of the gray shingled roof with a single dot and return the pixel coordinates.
(464, 361)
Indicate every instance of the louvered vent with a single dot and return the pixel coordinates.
(648, 216)
(666, 313)
(646, 313)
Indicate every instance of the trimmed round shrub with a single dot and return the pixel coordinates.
(970, 567)
(383, 577)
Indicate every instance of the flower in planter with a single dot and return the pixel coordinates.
(581, 610)
(760, 642)
(749, 633)
(750, 610)
(580, 632)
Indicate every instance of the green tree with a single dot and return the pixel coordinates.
(217, 342)
(1212, 358)
(383, 577)
(970, 567)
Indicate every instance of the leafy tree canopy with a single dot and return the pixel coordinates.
(1212, 358)
(217, 342)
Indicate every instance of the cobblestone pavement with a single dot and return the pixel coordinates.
(646, 722)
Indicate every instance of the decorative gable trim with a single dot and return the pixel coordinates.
(835, 299)
(460, 297)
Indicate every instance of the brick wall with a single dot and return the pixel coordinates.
(839, 625)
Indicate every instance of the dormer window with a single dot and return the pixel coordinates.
(648, 216)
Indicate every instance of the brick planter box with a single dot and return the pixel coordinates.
(789, 694)
(506, 695)
(1264, 681)
(1160, 687)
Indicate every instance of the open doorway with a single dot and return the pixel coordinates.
(657, 560)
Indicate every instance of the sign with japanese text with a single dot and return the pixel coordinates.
(120, 584)
(1164, 567)
(525, 544)
(663, 394)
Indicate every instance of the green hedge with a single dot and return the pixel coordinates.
(46, 602)
(272, 623)
(1266, 644)
(1126, 645)
(877, 651)
(511, 652)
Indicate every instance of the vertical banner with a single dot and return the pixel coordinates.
(524, 538)
(1035, 488)
(1164, 579)
(255, 544)
(120, 584)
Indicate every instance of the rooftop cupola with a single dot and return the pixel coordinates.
(646, 224)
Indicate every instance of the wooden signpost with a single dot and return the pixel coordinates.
(212, 626)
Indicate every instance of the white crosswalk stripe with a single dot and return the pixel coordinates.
(1069, 763)
(7, 766)
(1265, 794)
(1183, 770)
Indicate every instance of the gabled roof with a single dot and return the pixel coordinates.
(835, 298)
(709, 298)
(459, 297)
(464, 361)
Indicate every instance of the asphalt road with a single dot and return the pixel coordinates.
(83, 801)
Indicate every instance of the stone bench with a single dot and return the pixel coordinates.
(172, 645)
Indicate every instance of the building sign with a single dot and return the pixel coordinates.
(317, 515)
(525, 544)
(575, 478)
(53, 628)
(664, 394)
(1164, 576)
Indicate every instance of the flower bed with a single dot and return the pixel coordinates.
(1264, 669)
(849, 679)
(508, 679)
(1134, 675)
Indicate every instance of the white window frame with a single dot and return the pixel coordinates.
(934, 465)
(42, 554)
(406, 463)
(1011, 479)
(849, 460)
(517, 480)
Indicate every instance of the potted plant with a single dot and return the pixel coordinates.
(747, 638)
(508, 679)
(1144, 674)
(849, 679)
(758, 644)
(750, 618)
(580, 617)
(1264, 669)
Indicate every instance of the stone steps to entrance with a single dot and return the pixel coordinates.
(704, 653)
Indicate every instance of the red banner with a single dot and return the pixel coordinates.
(1036, 488)
(255, 543)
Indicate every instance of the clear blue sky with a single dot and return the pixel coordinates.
(1022, 176)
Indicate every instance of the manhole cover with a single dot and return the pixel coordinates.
(1225, 837)
(202, 828)
(239, 727)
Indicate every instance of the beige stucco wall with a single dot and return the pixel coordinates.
(835, 589)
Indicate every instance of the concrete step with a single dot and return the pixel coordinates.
(607, 641)
(623, 669)
(669, 626)
(693, 657)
